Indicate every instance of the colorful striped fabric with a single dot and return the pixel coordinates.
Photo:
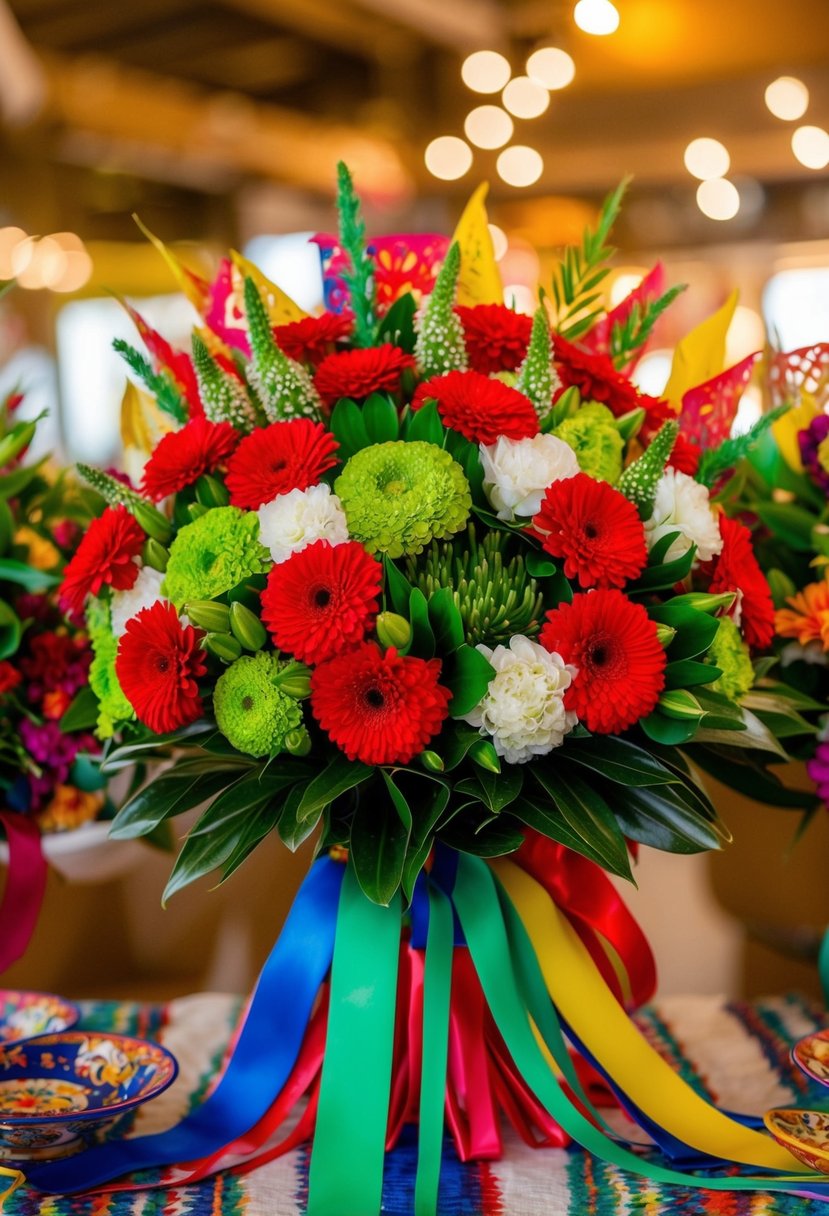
(736, 1054)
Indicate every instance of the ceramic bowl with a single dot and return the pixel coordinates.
(60, 1093)
(812, 1055)
(26, 1014)
(805, 1133)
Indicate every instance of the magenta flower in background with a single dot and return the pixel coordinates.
(818, 770)
(810, 440)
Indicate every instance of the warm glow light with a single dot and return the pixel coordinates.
(70, 241)
(448, 157)
(551, 67)
(485, 71)
(22, 257)
(746, 334)
(520, 298)
(525, 98)
(49, 262)
(624, 283)
(500, 244)
(596, 17)
(811, 147)
(718, 198)
(10, 238)
(519, 165)
(77, 272)
(488, 127)
(787, 98)
(707, 158)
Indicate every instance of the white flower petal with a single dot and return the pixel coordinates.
(683, 505)
(295, 520)
(145, 591)
(518, 471)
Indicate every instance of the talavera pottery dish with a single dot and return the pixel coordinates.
(805, 1133)
(60, 1093)
(812, 1055)
(26, 1014)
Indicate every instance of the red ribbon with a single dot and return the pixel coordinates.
(25, 886)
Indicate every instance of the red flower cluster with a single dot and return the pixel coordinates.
(620, 662)
(322, 600)
(10, 677)
(736, 569)
(478, 408)
(105, 558)
(496, 337)
(183, 456)
(595, 529)
(597, 380)
(159, 661)
(379, 708)
(312, 338)
(359, 373)
(284, 456)
(686, 455)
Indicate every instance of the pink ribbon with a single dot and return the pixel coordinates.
(25, 887)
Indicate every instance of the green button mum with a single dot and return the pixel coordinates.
(251, 712)
(729, 652)
(399, 496)
(593, 436)
(214, 554)
(113, 706)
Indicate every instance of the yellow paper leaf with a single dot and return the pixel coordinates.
(785, 430)
(142, 423)
(281, 308)
(479, 281)
(701, 353)
(194, 287)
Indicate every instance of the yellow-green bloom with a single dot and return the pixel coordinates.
(594, 437)
(251, 712)
(113, 706)
(213, 554)
(729, 652)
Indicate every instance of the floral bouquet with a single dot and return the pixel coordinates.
(435, 582)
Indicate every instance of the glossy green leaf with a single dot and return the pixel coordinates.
(586, 813)
(424, 425)
(348, 428)
(618, 760)
(423, 638)
(82, 713)
(494, 790)
(378, 848)
(686, 673)
(294, 831)
(428, 810)
(340, 775)
(467, 674)
(397, 326)
(26, 576)
(652, 817)
(398, 587)
(380, 419)
(166, 796)
(446, 621)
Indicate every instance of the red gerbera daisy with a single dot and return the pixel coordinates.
(105, 558)
(595, 529)
(479, 408)
(736, 569)
(379, 708)
(284, 456)
(183, 456)
(496, 337)
(158, 663)
(615, 649)
(322, 599)
(597, 379)
(358, 373)
(312, 338)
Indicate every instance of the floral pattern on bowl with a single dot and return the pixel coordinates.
(805, 1133)
(62, 1092)
(23, 1015)
(811, 1054)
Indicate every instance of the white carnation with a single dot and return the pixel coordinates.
(682, 505)
(296, 519)
(145, 591)
(523, 709)
(518, 471)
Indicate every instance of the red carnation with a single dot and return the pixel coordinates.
(284, 456)
(105, 558)
(595, 529)
(358, 373)
(183, 456)
(379, 708)
(159, 661)
(736, 569)
(312, 338)
(496, 337)
(479, 408)
(322, 600)
(615, 649)
(10, 677)
(685, 456)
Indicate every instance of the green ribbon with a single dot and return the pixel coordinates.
(346, 1172)
(823, 967)
(437, 987)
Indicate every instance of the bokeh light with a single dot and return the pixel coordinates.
(448, 157)
(488, 127)
(598, 17)
(485, 71)
(811, 147)
(525, 98)
(552, 67)
(706, 158)
(520, 165)
(500, 244)
(718, 198)
(787, 98)
(10, 238)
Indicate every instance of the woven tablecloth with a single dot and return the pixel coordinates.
(737, 1054)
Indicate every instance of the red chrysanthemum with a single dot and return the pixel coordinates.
(736, 569)
(597, 379)
(619, 661)
(379, 708)
(358, 373)
(595, 529)
(10, 677)
(322, 600)
(478, 408)
(105, 558)
(312, 338)
(496, 337)
(284, 456)
(183, 456)
(158, 664)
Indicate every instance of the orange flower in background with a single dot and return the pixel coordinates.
(55, 704)
(808, 618)
(69, 808)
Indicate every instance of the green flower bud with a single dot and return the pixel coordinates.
(154, 554)
(152, 521)
(295, 680)
(704, 601)
(298, 742)
(209, 615)
(18, 438)
(680, 703)
(485, 756)
(246, 627)
(223, 647)
(393, 630)
(629, 425)
(195, 510)
(210, 492)
(432, 761)
(666, 634)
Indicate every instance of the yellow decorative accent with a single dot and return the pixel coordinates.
(701, 353)
(281, 308)
(785, 430)
(143, 424)
(479, 281)
(192, 285)
(41, 553)
(8, 1189)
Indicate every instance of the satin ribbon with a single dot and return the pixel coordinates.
(7, 1188)
(25, 886)
(823, 967)
(436, 992)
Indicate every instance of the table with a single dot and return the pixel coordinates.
(736, 1053)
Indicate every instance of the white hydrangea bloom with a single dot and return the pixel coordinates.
(523, 710)
(683, 505)
(145, 591)
(296, 519)
(518, 471)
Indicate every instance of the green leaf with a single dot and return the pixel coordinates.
(455, 741)
(423, 639)
(789, 523)
(11, 630)
(26, 576)
(397, 326)
(666, 574)
(467, 674)
(380, 419)
(695, 630)
(743, 772)
(398, 798)
(398, 587)
(378, 849)
(262, 821)
(492, 838)
(12, 484)
(201, 854)
(247, 793)
(425, 820)
(681, 704)
(654, 817)
(539, 565)
(348, 428)
(340, 775)
(424, 425)
(82, 714)
(446, 621)
(166, 796)
(672, 732)
(687, 673)
(619, 761)
(587, 814)
(494, 790)
(292, 830)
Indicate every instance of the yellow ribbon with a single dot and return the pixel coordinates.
(701, 353)
(6, 1191)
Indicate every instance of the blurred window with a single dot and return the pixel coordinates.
(796, 307)
(293, 263)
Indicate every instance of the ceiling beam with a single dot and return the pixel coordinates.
(332, 23)
(460, 25)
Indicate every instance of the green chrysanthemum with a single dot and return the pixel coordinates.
(113, 706)
(251, 712)
(214, 554)
(729, 652)
(594, 437)
(398, 496)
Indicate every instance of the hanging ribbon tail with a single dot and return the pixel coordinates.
(10, 1180)
(25, 886)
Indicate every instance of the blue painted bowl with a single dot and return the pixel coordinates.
(26, 1014)
(60, 1093)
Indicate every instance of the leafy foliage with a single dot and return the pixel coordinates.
(582, 270)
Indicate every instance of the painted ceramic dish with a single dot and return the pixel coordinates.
(26, 1014)
(805, 1133)
(60, 1093)
(812, 1055)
